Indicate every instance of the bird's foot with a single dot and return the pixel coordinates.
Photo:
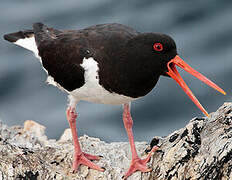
(85, 159)
(79, 156)
(140, 164)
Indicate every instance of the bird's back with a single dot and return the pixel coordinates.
(62, 52)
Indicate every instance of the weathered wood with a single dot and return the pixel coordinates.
(201, 150)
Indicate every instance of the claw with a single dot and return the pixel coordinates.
(84, 159)
(147, 159)
(140, 164)
(137, 165)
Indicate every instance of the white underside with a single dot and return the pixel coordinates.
(91, 91)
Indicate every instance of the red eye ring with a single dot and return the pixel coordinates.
(158, 47)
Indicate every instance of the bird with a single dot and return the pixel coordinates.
(108, 64)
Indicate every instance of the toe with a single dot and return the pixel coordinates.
(147, 159)
(143, 168)
(84, 159)
(138, 165)
(91, 157)
(92, 165)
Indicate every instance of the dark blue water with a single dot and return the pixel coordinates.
(203, 33)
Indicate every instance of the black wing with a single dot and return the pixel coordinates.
(62, 52)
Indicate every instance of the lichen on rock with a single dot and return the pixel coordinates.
(200, 150)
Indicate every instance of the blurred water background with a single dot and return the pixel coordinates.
(201, 29)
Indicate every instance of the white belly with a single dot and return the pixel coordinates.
(99, 95)
(92, 91)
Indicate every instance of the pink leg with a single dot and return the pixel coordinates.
(137, 164)
(79, 156)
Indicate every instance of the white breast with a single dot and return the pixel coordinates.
(92, 91)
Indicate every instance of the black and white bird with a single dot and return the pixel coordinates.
(109, 64)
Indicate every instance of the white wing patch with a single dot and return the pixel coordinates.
(92, 91)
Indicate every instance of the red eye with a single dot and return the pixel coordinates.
(158, 47)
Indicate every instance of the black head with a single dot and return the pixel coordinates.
(154, 50)
(158, 53)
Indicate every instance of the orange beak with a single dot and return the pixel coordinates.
(173, 73)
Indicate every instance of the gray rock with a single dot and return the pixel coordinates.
(201, 150)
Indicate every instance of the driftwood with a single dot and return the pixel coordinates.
(201, 150)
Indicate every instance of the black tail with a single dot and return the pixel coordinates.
(41, 32)
(13, 37)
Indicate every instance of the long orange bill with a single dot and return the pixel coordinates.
(173, 73)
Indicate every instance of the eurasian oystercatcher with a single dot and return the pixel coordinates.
(109, 64)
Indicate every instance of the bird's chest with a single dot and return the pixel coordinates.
(92, 91)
